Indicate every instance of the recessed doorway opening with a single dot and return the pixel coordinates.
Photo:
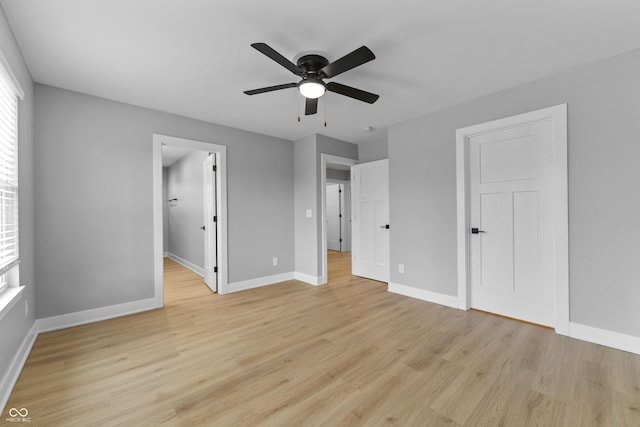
(190, 210)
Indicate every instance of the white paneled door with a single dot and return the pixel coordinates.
(209, 227)
(370, 227)
(512, 220)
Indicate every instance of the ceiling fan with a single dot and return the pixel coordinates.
(314, 69)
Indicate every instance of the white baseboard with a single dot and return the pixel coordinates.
(95, 315)
(258, 282)
(19, 359)
(183, 262)
(307, 278)
(442, 299)
(617, 340)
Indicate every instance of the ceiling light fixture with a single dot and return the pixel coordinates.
(311, 88)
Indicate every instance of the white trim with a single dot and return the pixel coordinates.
(422, 294)
(13, 80)
(62, 321)
(324, 160)
(259, 282)
(183, 262)
(221, 207)
(9, 298)
(158, 226)
(307, 278)
(558, 116)
(17, 363)
(611, 339)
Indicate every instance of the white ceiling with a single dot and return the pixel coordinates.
(193, 57)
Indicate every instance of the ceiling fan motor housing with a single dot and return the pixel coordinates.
(311, 65)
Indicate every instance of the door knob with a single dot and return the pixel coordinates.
(476, 231)
(385, 226)
(203, 228)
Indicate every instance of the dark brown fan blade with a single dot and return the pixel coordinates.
(311, 106)
(270, 88)
(351, 60)
(271, 53)
(352, 92)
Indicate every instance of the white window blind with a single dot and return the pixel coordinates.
(8, 174)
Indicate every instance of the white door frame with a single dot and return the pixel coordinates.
(324, 160)
(558, 117)
(221, 203)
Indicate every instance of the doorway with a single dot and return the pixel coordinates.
(512, 217)
(335, 226)
(184, 202)
(335, 170)
(338, 223)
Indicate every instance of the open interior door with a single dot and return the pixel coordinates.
(370, 226)
(210, 223)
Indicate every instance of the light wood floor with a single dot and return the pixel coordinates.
(345, 354)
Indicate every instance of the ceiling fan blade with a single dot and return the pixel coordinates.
(270, 88)
(352, 92)
(351, 60)
(271, 53)
(311, 106)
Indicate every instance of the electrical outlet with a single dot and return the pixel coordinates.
(401, 268)
(275, 261)
(26, 308)
(309, 213)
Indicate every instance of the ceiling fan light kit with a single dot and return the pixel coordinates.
(311, 88)
(313, 69)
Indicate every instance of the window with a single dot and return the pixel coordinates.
(8, 172)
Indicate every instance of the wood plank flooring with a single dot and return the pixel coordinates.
(345, 354)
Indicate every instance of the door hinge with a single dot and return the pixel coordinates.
(339, 190)
(215, 219)
(215, 269)
(214, 168)
(340, 240)
(340, 215)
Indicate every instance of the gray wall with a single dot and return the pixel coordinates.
(304, 158)
(186, 239)
(341, 175)
(373, 150)
(14, 326)
(604, 182)
(308, 195)
(165, 210)
(95, 227)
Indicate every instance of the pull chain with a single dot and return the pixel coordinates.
(298, 103)
(324, 103)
